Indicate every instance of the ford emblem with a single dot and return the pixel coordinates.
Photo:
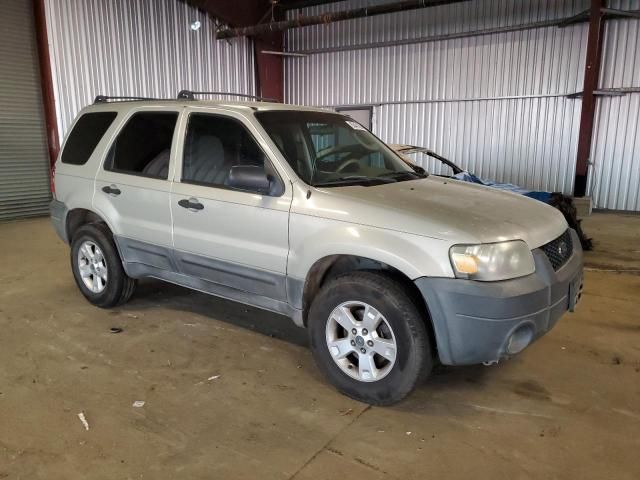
(562, 249)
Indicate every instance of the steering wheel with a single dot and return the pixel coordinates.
(343, 166)
(338, 150)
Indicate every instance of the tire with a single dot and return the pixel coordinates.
(407, 329)
(117, 287)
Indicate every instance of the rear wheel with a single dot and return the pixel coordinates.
(369, 338)
(97, 267)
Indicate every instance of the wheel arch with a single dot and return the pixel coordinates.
(331, 266)
(77, 217)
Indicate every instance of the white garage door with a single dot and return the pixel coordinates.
(24, 165)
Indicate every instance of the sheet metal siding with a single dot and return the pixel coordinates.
(450, 95)
(615, 154)
(615, 151)
(138, 47)
(455, 18)
(486, 137)
(24, 164)
(547, 61)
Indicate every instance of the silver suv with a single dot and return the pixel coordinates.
(304, 212)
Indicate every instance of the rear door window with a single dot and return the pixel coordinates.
(143, 146)
(84, 137)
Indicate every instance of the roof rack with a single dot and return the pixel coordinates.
(190, 95)
(105, 98)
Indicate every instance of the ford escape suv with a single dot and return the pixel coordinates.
(304, 212)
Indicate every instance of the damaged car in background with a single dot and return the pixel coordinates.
(415, 156)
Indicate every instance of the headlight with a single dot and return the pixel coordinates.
(492, 261)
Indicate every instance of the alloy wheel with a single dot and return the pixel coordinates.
(92, 267)
(361, 341)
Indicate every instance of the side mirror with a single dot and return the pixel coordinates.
(250, 177)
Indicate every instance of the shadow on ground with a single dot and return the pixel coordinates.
(152, 293)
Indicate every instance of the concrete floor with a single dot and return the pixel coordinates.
(568, 407)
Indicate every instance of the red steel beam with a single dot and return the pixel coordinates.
(591, 76)
(243, 13)
(233, 12)
(330, 17)
(46, 81)
(270, 68)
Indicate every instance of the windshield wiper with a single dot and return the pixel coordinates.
(354, 180)
(402, 175)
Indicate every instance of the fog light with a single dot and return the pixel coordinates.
(519, 339)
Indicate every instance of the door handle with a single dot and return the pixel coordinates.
(191, 204)
(111, 190)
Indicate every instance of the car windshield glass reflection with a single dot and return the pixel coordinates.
(327, 149)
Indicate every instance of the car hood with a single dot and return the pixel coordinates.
(446, 209)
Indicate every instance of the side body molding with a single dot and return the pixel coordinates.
(223, 279)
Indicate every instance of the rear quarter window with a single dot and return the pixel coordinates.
(85, 135)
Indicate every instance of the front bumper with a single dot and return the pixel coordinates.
(476, 322)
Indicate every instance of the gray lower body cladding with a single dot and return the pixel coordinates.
(474, 321)
(240, 283)
(58, 212)
(243, 284)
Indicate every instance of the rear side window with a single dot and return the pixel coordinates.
(85, 135)
(143, 146)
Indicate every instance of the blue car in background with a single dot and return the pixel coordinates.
(446, 168)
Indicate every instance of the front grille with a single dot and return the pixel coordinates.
(558, 251)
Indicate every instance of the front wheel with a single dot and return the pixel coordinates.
(369, 338)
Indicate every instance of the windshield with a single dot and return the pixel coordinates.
(328, 149)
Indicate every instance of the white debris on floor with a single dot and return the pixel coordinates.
(83, 419)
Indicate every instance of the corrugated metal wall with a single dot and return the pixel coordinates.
(454, 18)
(615, 150)
(494, 103)
(138, 47)
(24, 163)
